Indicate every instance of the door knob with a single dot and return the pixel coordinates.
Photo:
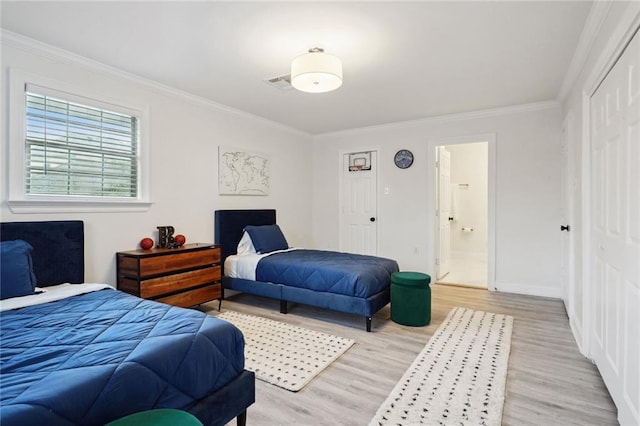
(450, 219)
(372, 219)
(565, 228)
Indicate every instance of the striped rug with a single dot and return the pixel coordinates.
(458, 378)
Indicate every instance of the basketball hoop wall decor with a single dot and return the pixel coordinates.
(359, 161)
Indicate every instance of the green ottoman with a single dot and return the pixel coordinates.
(410, 298)
(158, 417)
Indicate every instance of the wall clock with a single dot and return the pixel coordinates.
(403, 159)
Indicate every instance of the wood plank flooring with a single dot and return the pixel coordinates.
(549, 382)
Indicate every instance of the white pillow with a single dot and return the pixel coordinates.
(245, 245)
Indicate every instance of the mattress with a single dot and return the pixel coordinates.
(317, 270)
(95, 357)
(244, 265)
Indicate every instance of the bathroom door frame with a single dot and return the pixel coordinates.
(432, 144)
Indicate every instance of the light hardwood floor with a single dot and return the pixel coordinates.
(549, 382)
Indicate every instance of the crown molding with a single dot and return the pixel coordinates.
(39, 48)
(597, 15)
(485, 113)
(628, 25)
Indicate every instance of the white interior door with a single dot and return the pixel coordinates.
(615, 232)
(444, 212)
(358, 210)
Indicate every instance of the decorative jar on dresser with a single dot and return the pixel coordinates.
(184, 276)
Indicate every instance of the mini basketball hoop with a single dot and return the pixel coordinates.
(359, 161)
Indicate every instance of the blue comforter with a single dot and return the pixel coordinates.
(327, 271)
(92, 358)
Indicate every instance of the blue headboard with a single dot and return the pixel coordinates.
(58, 248)
(229, 225)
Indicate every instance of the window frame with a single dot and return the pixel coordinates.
(19, 200)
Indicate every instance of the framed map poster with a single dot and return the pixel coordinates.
(242, 172)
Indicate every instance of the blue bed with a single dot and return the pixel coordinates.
(95, 357)
(342, 282)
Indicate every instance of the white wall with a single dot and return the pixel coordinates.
(469, 163)
(527, 192)
(184, 135)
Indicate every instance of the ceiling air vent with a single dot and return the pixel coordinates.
(282, 82)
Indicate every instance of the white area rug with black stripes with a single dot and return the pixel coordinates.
(285, 355)
(458, 378)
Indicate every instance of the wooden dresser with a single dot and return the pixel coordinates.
(184, 276)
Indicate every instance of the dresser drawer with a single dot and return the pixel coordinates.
(167, 263)
(193, 297)
(176, 282)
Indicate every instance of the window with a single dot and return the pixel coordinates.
(74, 153)
(76, 149)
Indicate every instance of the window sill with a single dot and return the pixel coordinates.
(77, 206)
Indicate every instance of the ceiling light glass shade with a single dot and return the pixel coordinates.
(316, 72)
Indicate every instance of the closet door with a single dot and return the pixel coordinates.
(615, 250)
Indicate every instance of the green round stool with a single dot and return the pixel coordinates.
(158, 417)
(410, 298)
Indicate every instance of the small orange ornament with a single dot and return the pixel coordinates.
(180, 239)
(146, 243)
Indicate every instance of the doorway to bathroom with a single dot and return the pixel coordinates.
(462, 225)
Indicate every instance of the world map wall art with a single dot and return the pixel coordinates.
(242, 172)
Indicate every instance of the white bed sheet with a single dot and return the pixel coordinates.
(244, 265)
(50, 294)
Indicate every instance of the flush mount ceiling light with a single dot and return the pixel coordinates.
(316, 72)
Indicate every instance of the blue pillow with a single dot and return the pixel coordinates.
(267, 238)
(16, 269)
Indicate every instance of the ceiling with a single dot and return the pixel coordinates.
(401, 60)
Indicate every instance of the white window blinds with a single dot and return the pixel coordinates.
(78, 147)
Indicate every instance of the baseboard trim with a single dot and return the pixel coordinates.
(576, 329)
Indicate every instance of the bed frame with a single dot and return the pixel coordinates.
(58, 257)
(229, 226)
